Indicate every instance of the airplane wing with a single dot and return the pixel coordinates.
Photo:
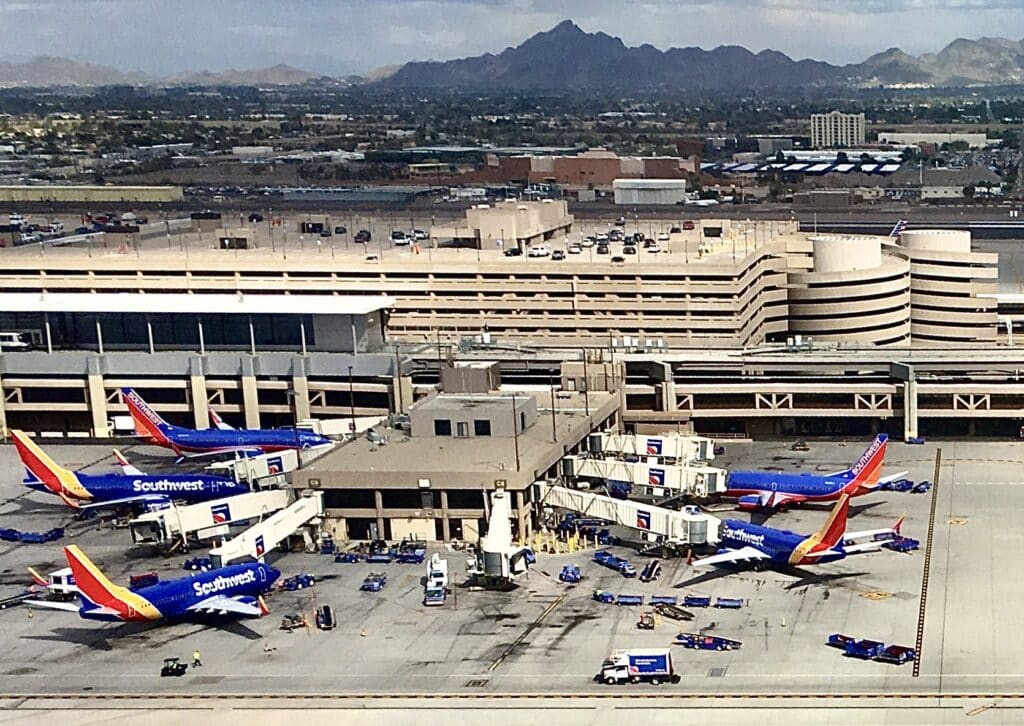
(772, 500)
(69, 607)
(53, 605)
(221, 604)
(147, 499)
(892, 477)
(743, 554)
(858, 547)
(852, 538)
(126, 468)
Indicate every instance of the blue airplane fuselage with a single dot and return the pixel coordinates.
(809, 486)
(778, 544)
(173, 598)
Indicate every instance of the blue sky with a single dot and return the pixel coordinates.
(347, 36)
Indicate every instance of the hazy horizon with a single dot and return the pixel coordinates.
(345, 37)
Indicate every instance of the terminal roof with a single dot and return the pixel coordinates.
(186, 303)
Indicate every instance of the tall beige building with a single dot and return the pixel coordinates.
(837, 129)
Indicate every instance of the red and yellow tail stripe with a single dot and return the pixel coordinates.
(57, 479)
(96, 587)
(830, 534)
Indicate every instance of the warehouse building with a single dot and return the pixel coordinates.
(639, 192)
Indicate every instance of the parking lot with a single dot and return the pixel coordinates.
(549, 637)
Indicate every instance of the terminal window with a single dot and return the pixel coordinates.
(481, 427)
(442, 427)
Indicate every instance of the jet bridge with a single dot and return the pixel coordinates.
(659, 479)
(254, 542)
(205, 520)
(690, 526)
(667, 446)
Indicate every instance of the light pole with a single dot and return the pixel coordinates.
(351, 403)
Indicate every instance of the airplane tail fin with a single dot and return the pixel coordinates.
(831, 533)
(93, 586)
(96, 590)
(147, 422)
(868, 469)
(897, 230)
(218, 423)
(44, 470)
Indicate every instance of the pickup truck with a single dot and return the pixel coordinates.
(374, 582)
(434, 597)
(570, 573)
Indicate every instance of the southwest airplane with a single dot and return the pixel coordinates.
(132, 487)
(743, 542)
(771, 490)
(232, 590)
(216, 440)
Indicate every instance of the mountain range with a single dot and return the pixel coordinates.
(48, 71)
(566, 59)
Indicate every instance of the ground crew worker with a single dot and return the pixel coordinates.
(196, 661)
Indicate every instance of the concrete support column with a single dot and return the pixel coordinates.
(446, 530)
(378, 503)
(250, 395)
(300, 388)
(401, 393)
(522, 517)
(909, 409)
(667, 389)
(97, 399)
(197, 392)
(3, 410)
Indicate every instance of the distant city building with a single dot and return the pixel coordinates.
(252, 152)
(973, 141)
(649, 191)
(771, 145)
(836, 129)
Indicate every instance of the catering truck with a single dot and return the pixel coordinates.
(653, 665)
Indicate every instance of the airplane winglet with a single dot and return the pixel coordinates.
(263, 605)
(126, 466)
(899, 523)
(37, 578)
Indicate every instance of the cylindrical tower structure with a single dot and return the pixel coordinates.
(946, 279)
(856, 291)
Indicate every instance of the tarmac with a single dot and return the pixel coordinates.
(548, 639)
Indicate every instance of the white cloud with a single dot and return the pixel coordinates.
(338, 36)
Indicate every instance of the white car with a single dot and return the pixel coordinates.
(602, 237)
(587, 242)
(575, 249)
(663, 236)
(539, 251)
(419, 234)
(654, 248)
(399, 238)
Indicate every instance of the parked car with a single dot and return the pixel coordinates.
(256, 217)
(663, 236)
(602, 249)
(419, 234)
(618, 258)
(675, 230)
(653, 248)
(575, 249)
(325, 233)
(340, 229)
(363, 236)
(558, 255)
(688, 224)
(399, 238)
(539, 251)
(629, 250)
(513, 252)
